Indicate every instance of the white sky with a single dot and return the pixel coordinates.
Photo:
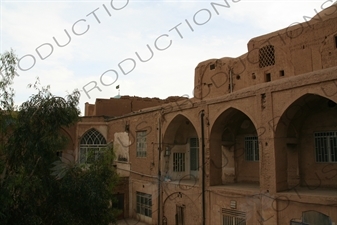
(26, 25)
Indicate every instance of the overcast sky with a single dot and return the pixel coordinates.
(106, 35)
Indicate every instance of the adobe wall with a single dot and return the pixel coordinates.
(143, 122)
(139, 185)
(295, 50)
(115, 107)
(187, 196)
(89, 109)
(283, 90)
(222, 200)
(288, 210)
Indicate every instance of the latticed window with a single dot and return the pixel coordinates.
(141, 144)
(326, 146)
(266, 56)
(251, 148)
(194, 153)
(178, 162)
(91, 146)
(233, 217)
(144, 204)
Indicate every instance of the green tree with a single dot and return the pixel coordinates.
(36, 186)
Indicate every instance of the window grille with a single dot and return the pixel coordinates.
(141, 144)
(266, 56)
(251, 148)
(326, 146)
(233, 217)
(92, 145)
(194, 153)
(144, 204)
(178, 162)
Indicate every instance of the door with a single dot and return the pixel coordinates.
(119, 204)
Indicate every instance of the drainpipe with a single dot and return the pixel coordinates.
(159, 172)
(203, 166)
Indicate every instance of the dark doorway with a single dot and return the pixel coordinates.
(119, 204)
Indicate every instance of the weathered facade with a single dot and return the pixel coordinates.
(257, 144)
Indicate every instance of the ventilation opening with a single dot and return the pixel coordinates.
(212, 67)
(336, 41)
(238, 77)
(268, 77)
(281, 73)
(253, 76)
(266, 56)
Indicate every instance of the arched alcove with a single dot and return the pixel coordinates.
(234, 149)
(306, 144)
(181, 150)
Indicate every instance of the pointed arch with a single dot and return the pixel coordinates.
(70, 144)
(234, 149)
(92, 144)
(179, 122)
(306, 122)
(182, 143)
(67, 153)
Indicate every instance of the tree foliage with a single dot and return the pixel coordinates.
(36, 186)
(7, 72)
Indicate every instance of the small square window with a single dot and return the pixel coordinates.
(281, 73)
(212, 67)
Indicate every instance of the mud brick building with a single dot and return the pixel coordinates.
(257, 144)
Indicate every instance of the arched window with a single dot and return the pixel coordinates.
(92, 144)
